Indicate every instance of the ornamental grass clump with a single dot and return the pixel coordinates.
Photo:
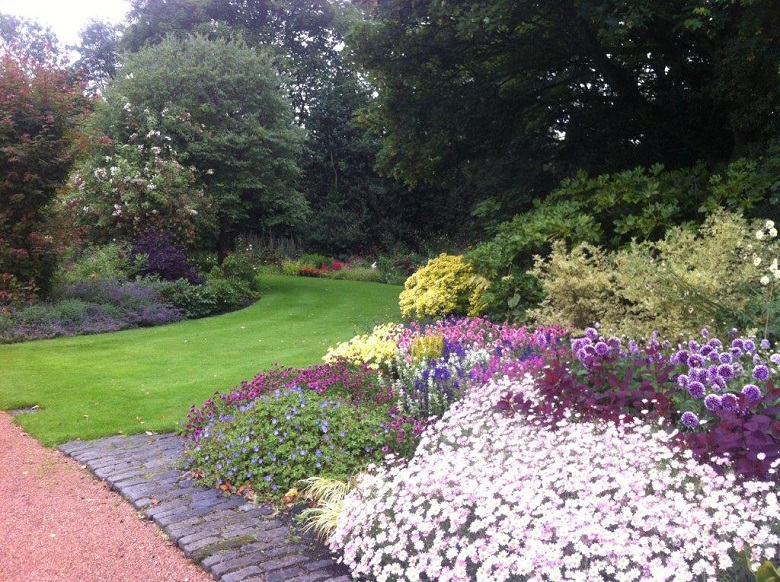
(270, 443)
(496, 497)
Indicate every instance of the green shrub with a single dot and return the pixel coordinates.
(110, 261)
(720, 276)
(315, 261)
(291, 268)
(280, 438)
(241, 266)
(351, 273)
(447, 285)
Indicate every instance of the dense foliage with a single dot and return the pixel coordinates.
(40, 105)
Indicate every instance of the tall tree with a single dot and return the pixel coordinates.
(99, 53)
(40, 106)
(515, 94)
(221, 104)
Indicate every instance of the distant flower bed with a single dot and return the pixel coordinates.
(88, 307)
(475, 451)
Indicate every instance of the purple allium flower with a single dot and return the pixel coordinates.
(592, 333)
(750, 346)
(682, 380)
(738, 343)
(726, 371)
(737, 352)
(705, 332)
(633, 347)
(712, 402)
(765, 345)
(705, 350)
(775, 359)
(579, 343)
(732, 332)
(696, 389)
(602, 349)
(693, 345)
(689, 419)
(761, 373)
(752, 392)
(715, 343)
(730, 402)
(681, 357)
(695, 361)
(725, 358)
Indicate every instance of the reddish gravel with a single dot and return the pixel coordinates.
(59, 523)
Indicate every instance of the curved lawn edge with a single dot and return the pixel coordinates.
(146, 379)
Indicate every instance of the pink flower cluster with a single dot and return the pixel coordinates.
(493, 497)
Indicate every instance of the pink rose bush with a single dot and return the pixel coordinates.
(490, 496)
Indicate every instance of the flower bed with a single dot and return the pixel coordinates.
(520, 454)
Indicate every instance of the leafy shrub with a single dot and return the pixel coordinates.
(291, 268)
(241, 266)
(315, 261)
(357, 384)
(355, 273)
(505, 259)
(217, 295)
(721, 277)
(109, 261)
(445, 286)
(278, 439)
(488, 497)
(161, 257)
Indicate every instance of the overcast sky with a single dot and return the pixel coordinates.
(67, 17)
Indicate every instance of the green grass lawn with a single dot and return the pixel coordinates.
(147, 379)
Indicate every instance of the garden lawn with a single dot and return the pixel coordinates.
(146, 379)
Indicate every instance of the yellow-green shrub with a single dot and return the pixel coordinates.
(377, 349)
(720, 277)
(447, 285)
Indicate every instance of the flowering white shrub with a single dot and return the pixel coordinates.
(489, 497)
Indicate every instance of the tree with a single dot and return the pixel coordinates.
(514, 95)
(40, 106)
(221, 104)
(99, 53)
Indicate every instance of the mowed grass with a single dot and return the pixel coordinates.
(146, 379)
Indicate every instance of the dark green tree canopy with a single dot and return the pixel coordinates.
(535, 90)
(221, 104)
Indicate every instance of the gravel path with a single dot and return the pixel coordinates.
(63, 524)
(59, 523)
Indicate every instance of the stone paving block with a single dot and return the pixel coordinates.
(282, 562)
(284, 574)
(190, 548)
(218, 557)
(320, 576)
(241, 561)
(240, 575)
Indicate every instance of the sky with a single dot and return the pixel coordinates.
(67, 17)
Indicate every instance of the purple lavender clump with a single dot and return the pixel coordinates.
(689, 419)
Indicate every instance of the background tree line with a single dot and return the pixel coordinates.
(366, 126)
